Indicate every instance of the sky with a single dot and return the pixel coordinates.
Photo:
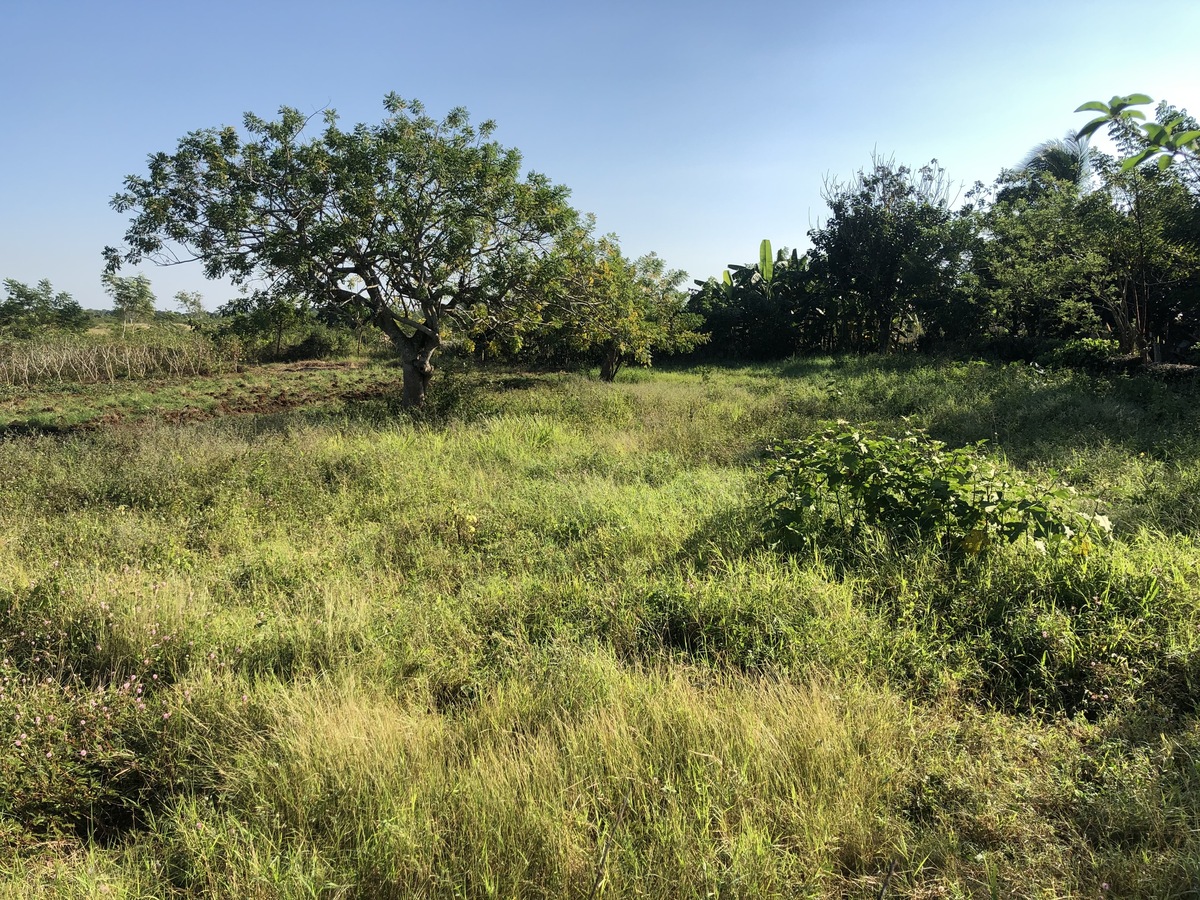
(690, 129)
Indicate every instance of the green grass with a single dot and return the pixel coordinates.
(536, 642)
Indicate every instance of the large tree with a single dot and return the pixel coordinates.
(1153, 249)
(415, 221)
(891, 250)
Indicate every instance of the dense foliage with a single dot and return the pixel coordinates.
(599, 308)
(31, 311)
(1070, 245)
(848, 487)
(890, 256)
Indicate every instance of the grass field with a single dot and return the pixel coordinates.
(57, 407)
(538, 642)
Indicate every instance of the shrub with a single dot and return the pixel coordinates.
(321, 342)
(80, 757)
(847, 484)
(1045, 634)
(1086, 354)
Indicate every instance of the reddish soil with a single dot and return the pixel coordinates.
(238, 399)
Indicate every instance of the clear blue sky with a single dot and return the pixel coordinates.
(694, 129)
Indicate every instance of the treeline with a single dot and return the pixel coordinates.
(1072, 253)
(1071, 249)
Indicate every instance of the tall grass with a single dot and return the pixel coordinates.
(538, 643)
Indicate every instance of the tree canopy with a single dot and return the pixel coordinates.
(888, 252)
(27, 311)
(625, 311)
(418, 222)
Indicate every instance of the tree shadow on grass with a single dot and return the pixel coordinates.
(1031, 418)
(729, 534)
(1028, 412)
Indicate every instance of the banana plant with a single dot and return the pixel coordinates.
(766, 264)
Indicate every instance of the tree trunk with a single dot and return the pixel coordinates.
(1123, 323)
(417, 373)
(610, 365)
(415, 351)
(883, 337)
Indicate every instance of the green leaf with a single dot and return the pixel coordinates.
(1154, 132)
(1095, 105)
(766, 260)
(1164, 163)
(1092, 127)
(1187, 137)
(1137, 160)
(1135, 99)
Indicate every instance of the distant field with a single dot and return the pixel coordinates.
(285, 640)
(252, 389)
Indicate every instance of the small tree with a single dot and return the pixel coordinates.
(133, 301)
(27, 311)
(190, 303)
(625, 311)
(417, 222)
(270, 318)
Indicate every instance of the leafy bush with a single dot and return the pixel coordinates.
(1087, 354)
(847, 484)
(1037, 633)
(321, 342)
(79, 756)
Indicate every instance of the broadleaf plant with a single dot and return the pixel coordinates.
(848, 482)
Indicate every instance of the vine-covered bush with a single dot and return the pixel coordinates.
(847, 483)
